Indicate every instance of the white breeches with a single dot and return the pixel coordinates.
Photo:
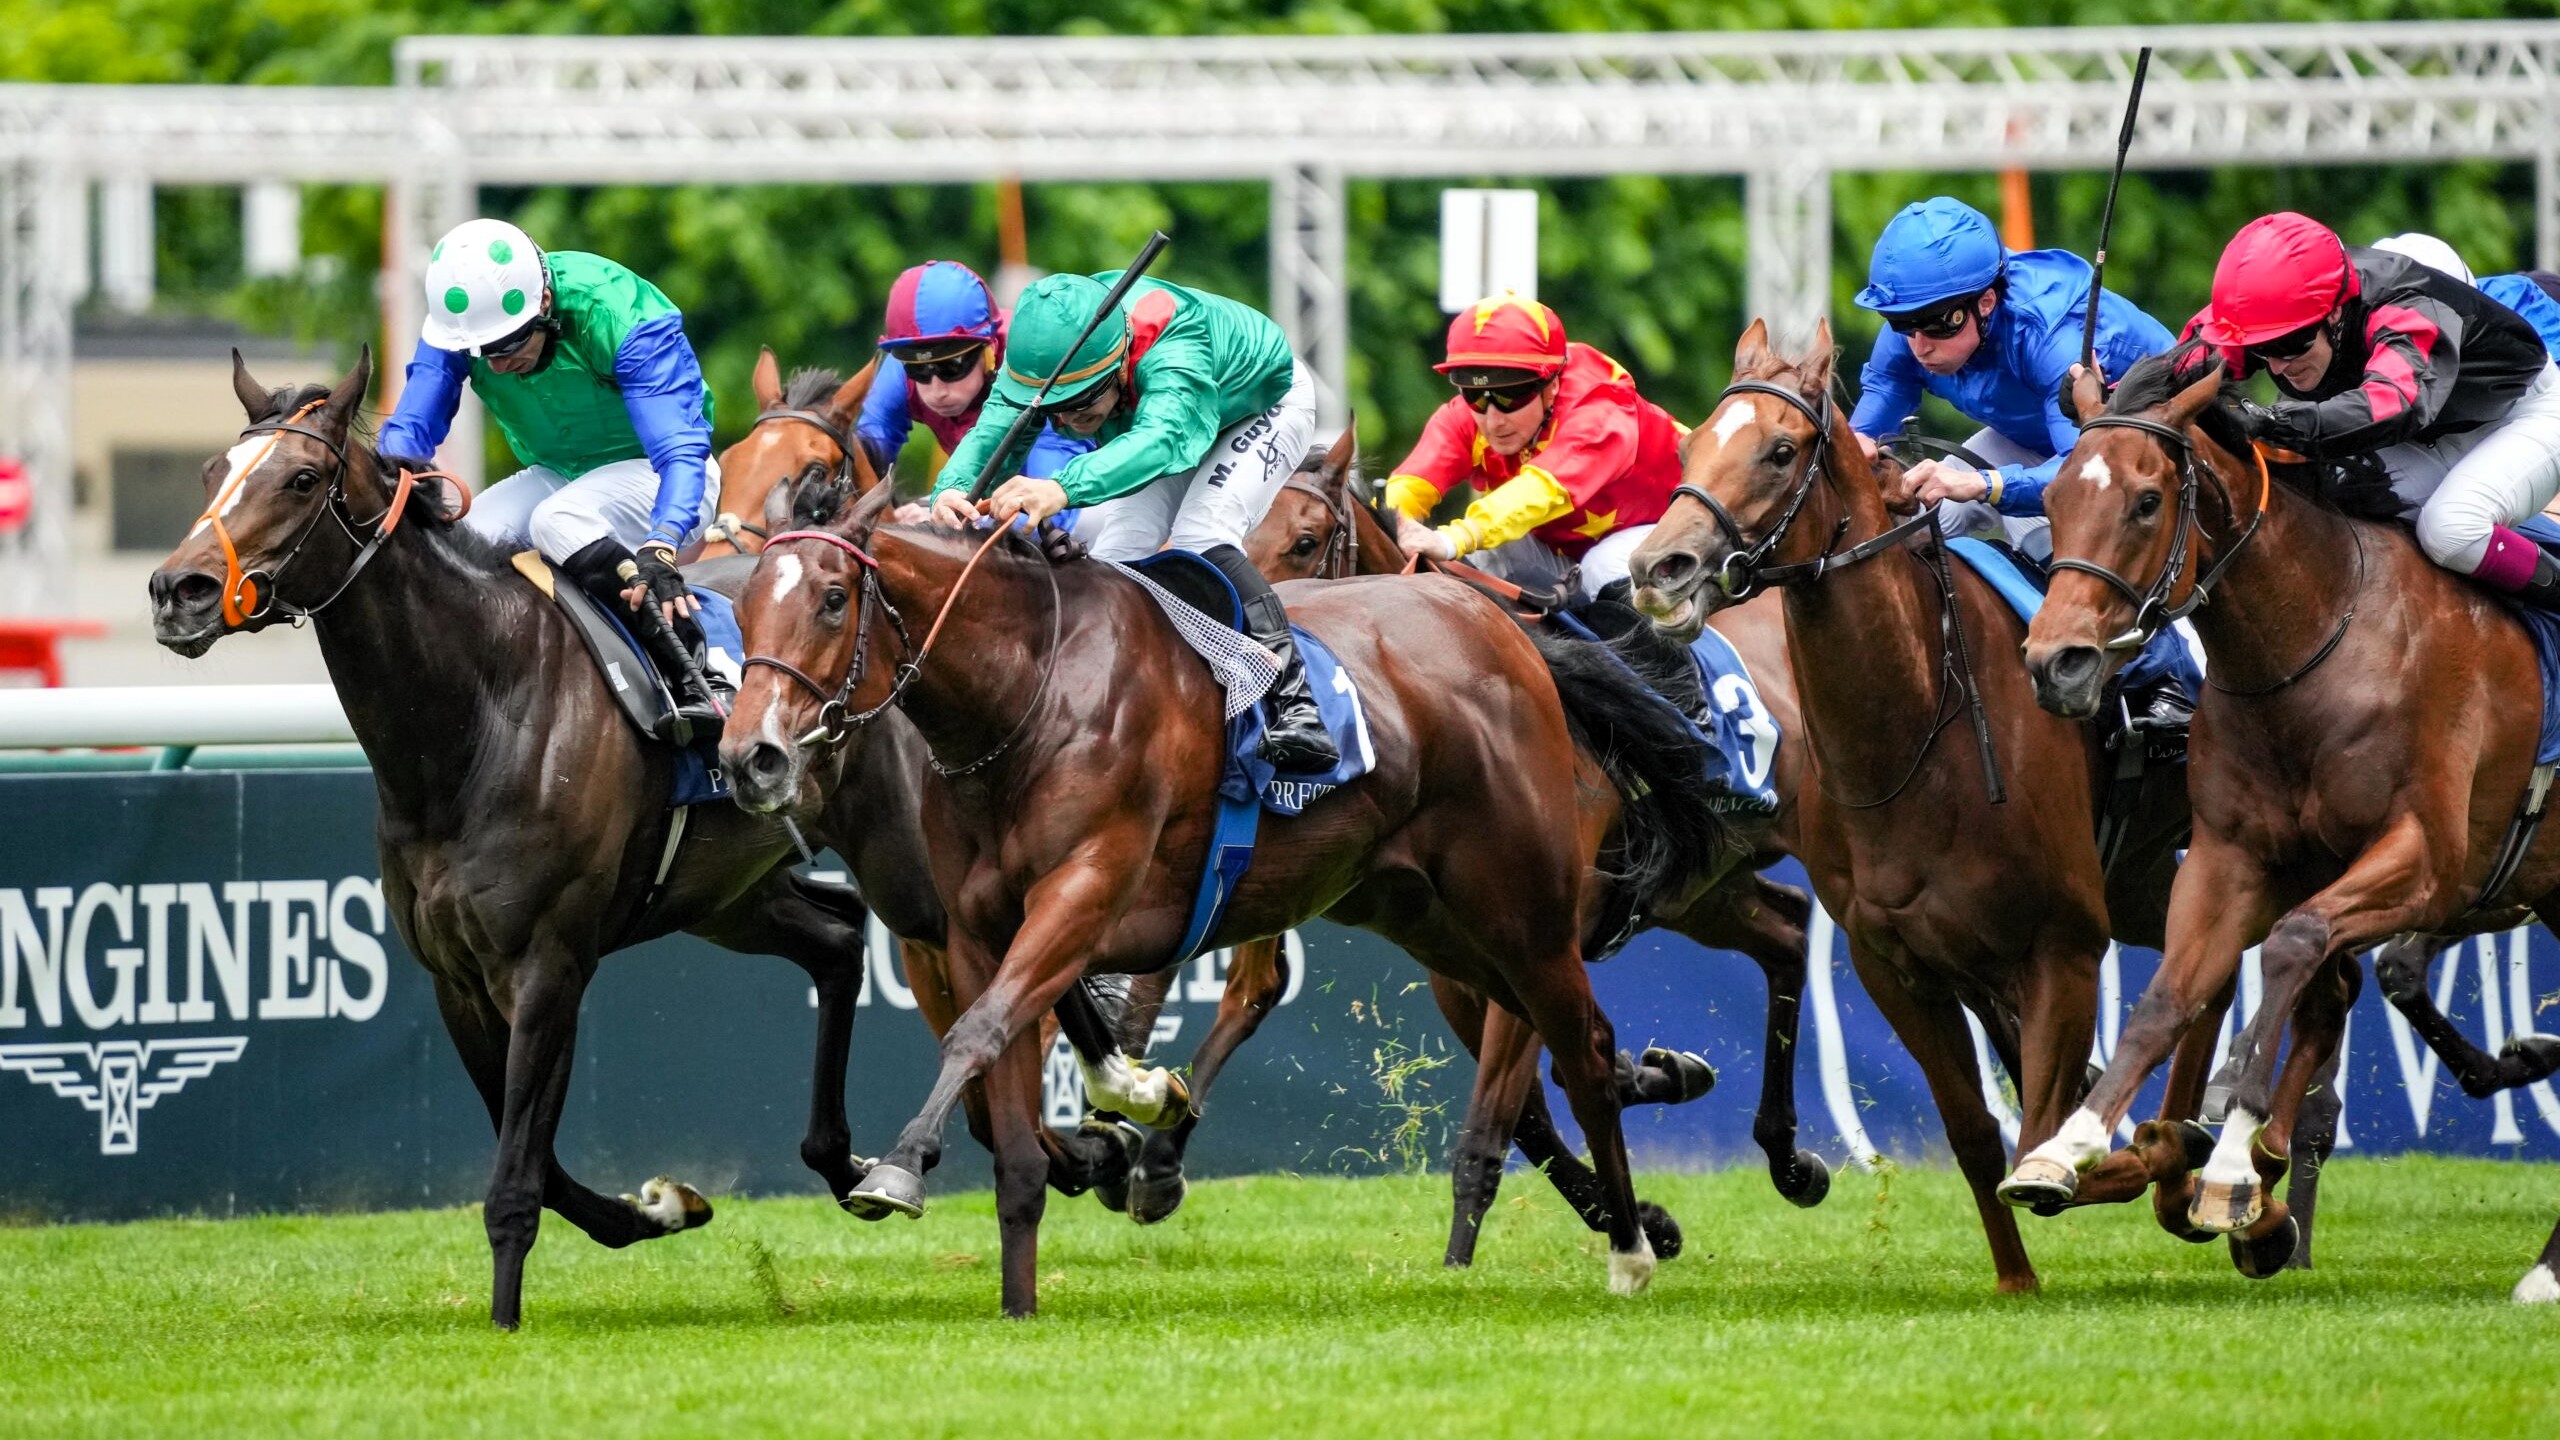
(539, 508)
(1220, 502)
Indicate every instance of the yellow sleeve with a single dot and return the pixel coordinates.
(1412, 497)
(1519, 505)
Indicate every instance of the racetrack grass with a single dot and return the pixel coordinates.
(1306, 1307)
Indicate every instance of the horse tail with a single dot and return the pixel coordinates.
(1672, 832)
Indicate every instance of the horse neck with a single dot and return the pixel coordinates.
(2287, 586)
(984, 672)
(1864, 636)
(1379, 552)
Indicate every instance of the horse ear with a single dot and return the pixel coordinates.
(768, 380)
(1751, 355)
(1815, 367)
(849, 396)
(866, 513)
(2084, 394)
(1345, 449)
(2187, 404)
(254, 397)
(349, 394)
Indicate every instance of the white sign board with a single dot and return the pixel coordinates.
(1488, 244)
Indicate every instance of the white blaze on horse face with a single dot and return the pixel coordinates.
(237, 462)
(786, 574)
(1737, 412)
(2095, 467)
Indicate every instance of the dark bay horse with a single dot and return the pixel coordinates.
(1320, 528)
(2360, 754)
(1949, 899)
(524, 828)
(1078, 743)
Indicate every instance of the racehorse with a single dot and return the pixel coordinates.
(2365, 737)
(525, 829)
(802, 439)
(1078, 744)
(1951, 898)
(1319, 528)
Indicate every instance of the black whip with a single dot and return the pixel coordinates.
(1029, 415)
(2107, 218)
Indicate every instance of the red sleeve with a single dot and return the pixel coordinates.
(1446, 453)
(1594, 444)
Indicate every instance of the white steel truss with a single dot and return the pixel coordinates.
(1781, 110)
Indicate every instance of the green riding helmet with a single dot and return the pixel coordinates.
(1046, 320)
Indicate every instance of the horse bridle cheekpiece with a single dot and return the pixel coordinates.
(2152, 609)
(1746, 571)
(248, 596)
(1341, 557)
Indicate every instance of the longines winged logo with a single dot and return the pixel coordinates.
(119, 1079)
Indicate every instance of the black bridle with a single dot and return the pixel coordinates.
(841, 478)
(265, 580)
(1341, 556)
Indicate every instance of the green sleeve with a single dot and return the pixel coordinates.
(977, 448)
(1175, 423)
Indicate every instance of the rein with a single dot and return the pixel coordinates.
(249, 595)
(836, 719)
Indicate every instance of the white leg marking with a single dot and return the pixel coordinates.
(2538, 1287)
(662, 1200)
(786, 574)
(1630, 1272)
(2095, 467)
(1118, 1085)
(2230, 1164)
(1737, 412)
(2080, 1143)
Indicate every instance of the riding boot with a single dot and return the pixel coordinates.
(2542, 592)
(1294, 739)
(598, 570)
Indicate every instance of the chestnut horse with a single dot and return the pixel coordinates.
(1319, 528)
(2359, 759)
(802, 440)
(1950, 898)
(1079, 743)
(524, 829)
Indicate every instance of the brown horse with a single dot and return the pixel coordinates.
(1319, 528)
(2367, 732)
(525, 830)
(1079, 744)
(802, 440)
(1950, 898)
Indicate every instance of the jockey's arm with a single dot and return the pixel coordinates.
(2413, 360)
(1170, 432)
(1508, 511)
(885, 421)
(663, 393)
(1889, 388)
(1443, 458)
(428, 400)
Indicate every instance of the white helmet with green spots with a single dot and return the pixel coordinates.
(484, 283)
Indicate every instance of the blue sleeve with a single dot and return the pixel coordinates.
(1888, 388)
(1050, 452)
(2022, 486)
(663, 391)
(428, 398)
(886, 420)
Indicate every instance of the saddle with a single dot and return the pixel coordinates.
(641, 692)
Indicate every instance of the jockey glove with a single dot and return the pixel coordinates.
(658, 572)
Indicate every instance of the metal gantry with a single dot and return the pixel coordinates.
(1783, 111)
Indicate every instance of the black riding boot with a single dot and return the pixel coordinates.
(677, 650)
(2542, 591)
(1294, 740)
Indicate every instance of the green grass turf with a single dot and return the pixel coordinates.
(1305, 1307)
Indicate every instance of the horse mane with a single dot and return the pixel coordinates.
(2355, 486)
(810, 388)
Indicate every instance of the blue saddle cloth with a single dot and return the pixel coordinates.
(1742, 740)
(2023, 585)
(1250, 785)
(2001, 571)
(2544, 626)
(698, 775)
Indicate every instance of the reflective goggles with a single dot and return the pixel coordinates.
(942, 368)
(1505, 398)
(1944, 324)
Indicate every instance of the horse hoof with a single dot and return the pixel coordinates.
(2261, 1257)
(1813, 1185)
(1631, 1271)
(1152, 1199)
(2041, 1185)
(671, 1205)
(2538, 1287)
(2222, 1206)
(888, 1190)
(1660, 1230)
(2197, 1142)
(2536, 1057)
(1126, 1141)
(1692, 1078)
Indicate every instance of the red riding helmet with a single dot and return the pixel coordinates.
(1503, 337)
(2281, 273)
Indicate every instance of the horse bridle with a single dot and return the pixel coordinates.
(844, 473)
(836, 717)
(1746, 571)
(2152, 609)
(261, 584)
(1341, 555)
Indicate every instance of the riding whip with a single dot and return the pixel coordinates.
(2107, 217)
(652, 619)
(1029, 416)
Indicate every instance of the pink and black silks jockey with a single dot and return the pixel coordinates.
(942, 308)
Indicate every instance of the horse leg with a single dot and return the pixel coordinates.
(2385, 891)
(2167, 1151)
(1768, 925)
(2315, 1134)
(2219, 906)
(2057, 1021)
(1256, 977)
(1557, 1000)
(2402, 967)
(1022, 1169)
(2541, 1284)
(1506, 1052)
(1932, 1028)
(2275, 1240)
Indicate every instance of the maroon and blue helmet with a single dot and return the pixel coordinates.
(939, 303)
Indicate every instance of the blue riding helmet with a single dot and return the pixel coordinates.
(1937, 249)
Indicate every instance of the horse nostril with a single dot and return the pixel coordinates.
(186, 589)
(1674, 569)
(767, 763)
(2074, 666)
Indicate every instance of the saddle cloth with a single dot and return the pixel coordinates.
(1740, 736)
(1206, 612)
(637, 686)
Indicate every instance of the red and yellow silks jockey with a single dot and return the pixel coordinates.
(1572, 465)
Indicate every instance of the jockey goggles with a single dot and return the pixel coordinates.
(1089, 398)
(1935, 323)
(505, 346)
(944, 367)
(2292, 345)
(1508, 399)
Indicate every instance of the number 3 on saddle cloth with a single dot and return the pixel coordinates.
(638, 688)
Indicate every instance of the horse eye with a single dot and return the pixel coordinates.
(1783, 453)
(835, 598)
(2149, 505)
(813, 474)
(1306, 546)
(303, 480)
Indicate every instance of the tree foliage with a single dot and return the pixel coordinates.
(1649, 268)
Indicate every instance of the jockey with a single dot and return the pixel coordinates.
(2533, 294)
(2379, 355)
(1202, 413)
(1996, 333)
(1571, 464)
(586, 369)
(941, 338)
